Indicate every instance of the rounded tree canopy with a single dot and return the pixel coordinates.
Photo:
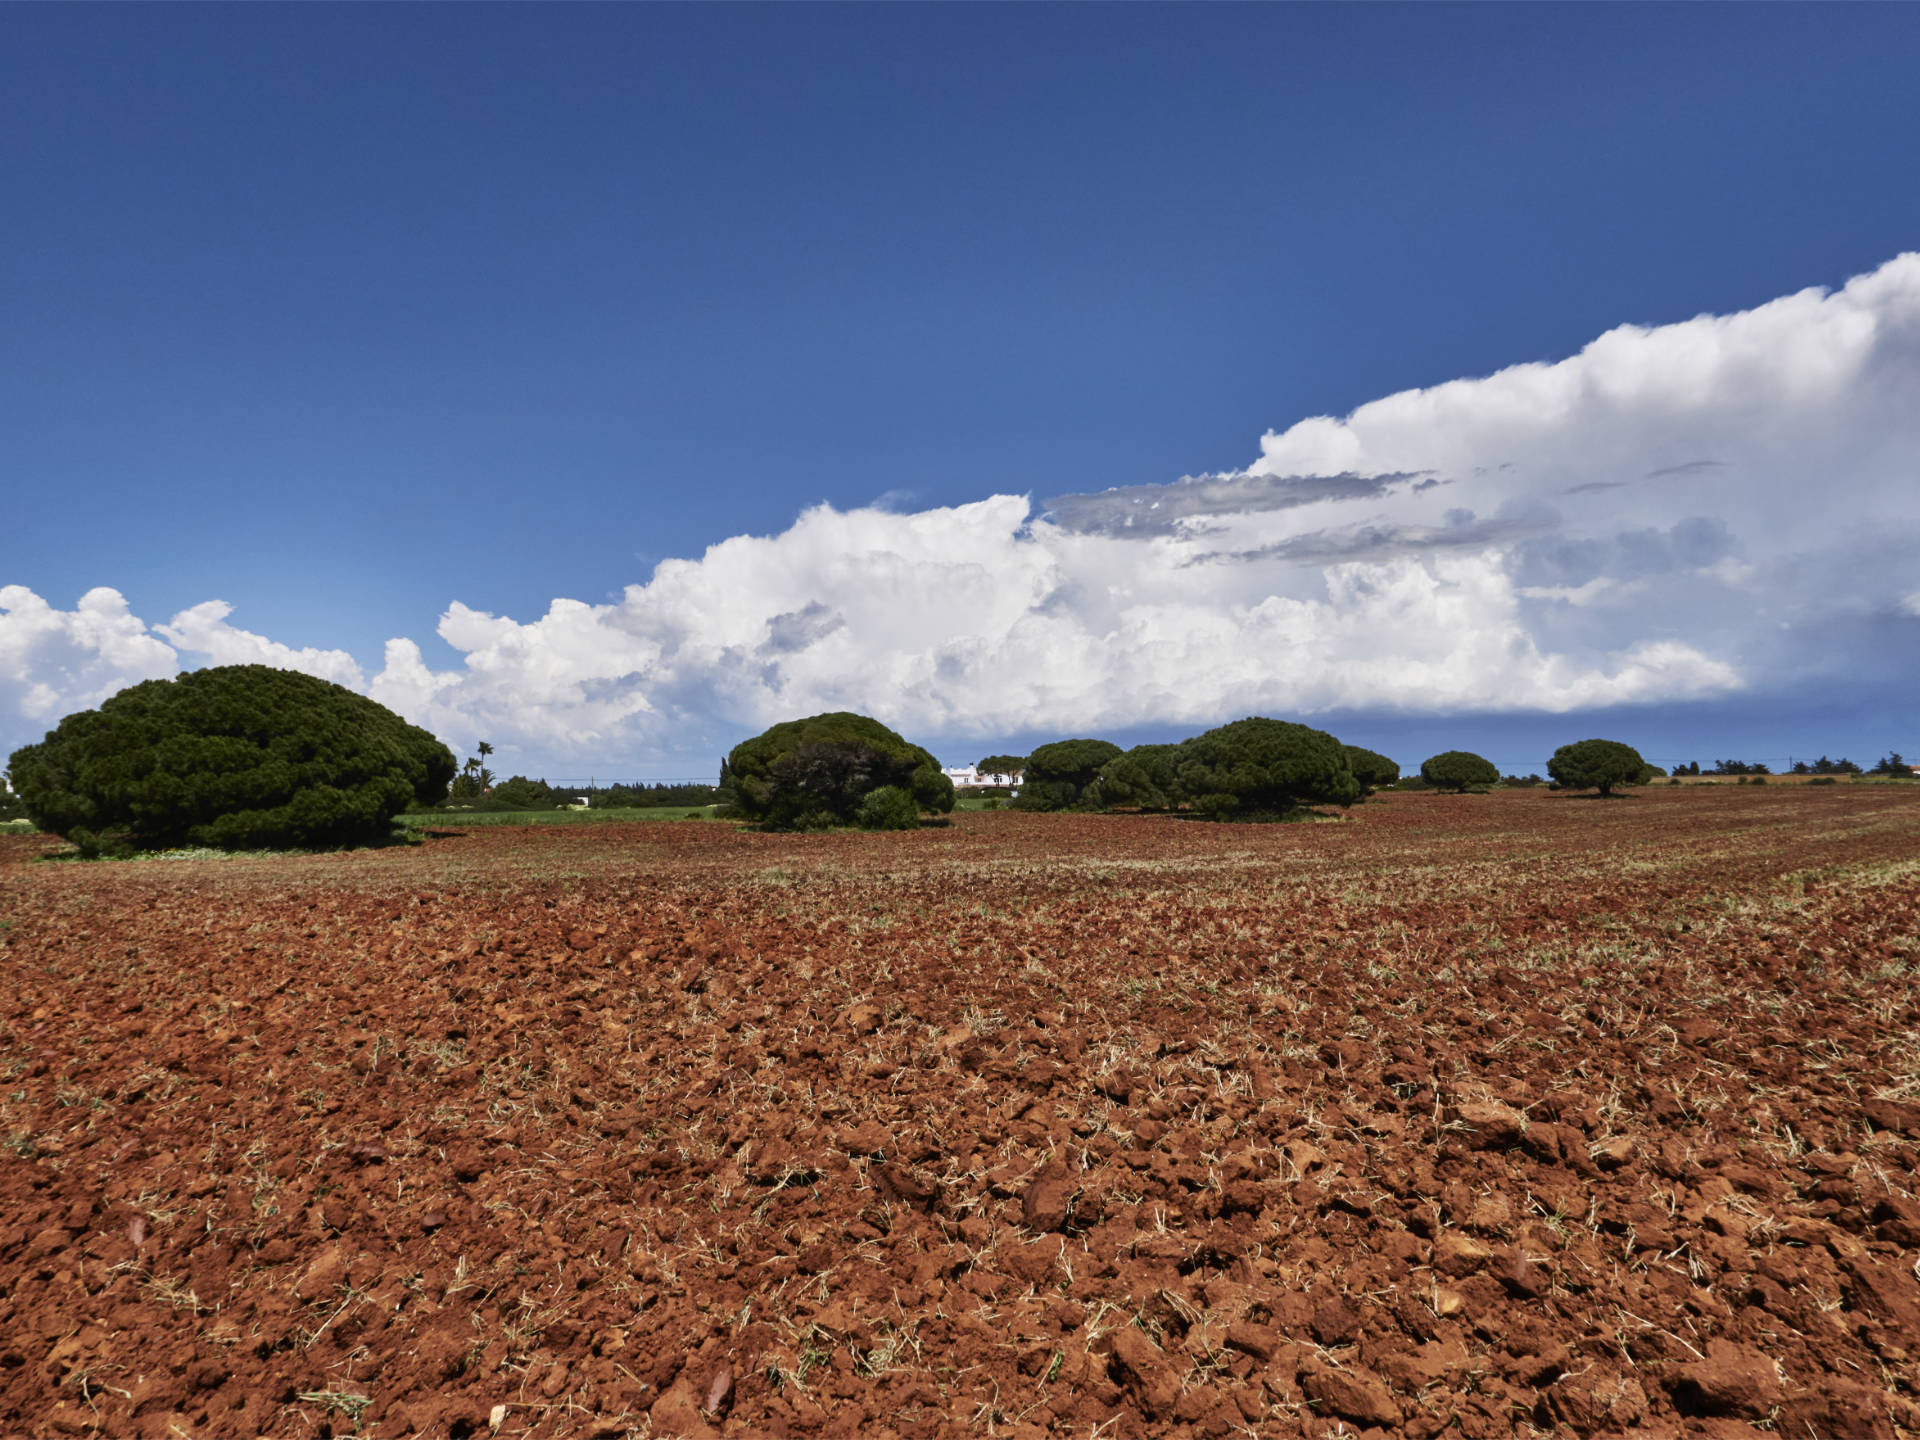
(1597, 765)
(237, 757)
(1457, 769)
(803, 773)
(1143, 777)
(1002, 765)
(1373, 770)
(1263, 767)
(1059, 775)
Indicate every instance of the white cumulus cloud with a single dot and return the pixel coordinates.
(203, 629)
(1676, 512)
(53, 661)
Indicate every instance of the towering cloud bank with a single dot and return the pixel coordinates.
(1675, 512)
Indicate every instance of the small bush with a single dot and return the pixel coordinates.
(888, 808)
(520, 793)
(1820, 780)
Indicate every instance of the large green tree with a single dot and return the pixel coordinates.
(1373, 770)
(1002, 765)
(820, 771)
(1457, 769)
(1262, 767)
(1596, 765)
(1061, 775)
(236, 757)
(1143, 778)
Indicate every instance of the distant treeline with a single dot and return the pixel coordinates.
(1890, 764)
(520, 793)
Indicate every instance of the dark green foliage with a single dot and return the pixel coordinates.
(1520, 782)
(1144, 778)
(640, 795)
(1842, 766)
(11, 807)
(1457, 769)
(1895, 766)
(1058, 776)
(475, 779)
(237, 757)
(1373, 770)
(1738, 767)
(520, 793)
(807, 774)
(889, 808)
(1597, 765)
(1002, 765)
(1263, 767)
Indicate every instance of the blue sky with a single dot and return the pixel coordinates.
(378, 323)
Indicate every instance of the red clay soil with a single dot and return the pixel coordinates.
(1498, 1115)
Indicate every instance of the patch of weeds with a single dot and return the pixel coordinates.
(340, 1402)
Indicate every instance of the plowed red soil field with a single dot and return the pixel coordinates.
(1501, 1115)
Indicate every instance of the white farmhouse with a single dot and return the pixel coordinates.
(966, 777)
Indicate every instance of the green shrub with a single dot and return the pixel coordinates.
(1597, 765)
(519, 793)
(815, 773)
(1373, 770)
(888, 808)
(1059, 776)
(1817, 780)
(1457, 769)
(236, 757)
